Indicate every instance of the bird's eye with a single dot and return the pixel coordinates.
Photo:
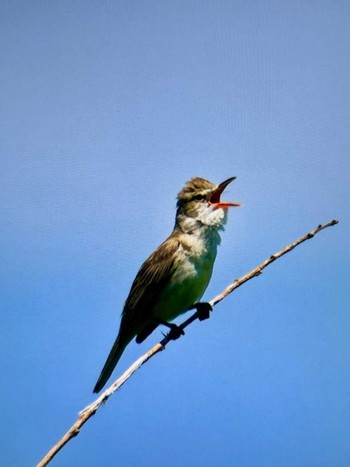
(199, 197)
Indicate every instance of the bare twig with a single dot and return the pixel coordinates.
(91, 409)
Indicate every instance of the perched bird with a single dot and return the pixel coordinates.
(175, 276)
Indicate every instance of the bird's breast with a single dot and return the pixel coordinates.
(192, 272)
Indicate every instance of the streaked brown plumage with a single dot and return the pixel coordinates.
(177, 273)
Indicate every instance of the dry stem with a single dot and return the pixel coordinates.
(91, 409)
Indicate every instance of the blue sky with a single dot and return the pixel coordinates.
(107, 109)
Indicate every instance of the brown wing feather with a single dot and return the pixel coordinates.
(137, 313)
(148, 284)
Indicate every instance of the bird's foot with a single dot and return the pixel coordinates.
(203, 310)
(175, 330)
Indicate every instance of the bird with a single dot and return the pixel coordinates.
(175, 276)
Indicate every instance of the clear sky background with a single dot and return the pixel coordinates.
(108, 107)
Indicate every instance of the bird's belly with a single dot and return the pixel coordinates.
(185, 289)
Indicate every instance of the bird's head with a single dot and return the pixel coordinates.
(199, 200)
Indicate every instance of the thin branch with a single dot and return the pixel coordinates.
(91, 409)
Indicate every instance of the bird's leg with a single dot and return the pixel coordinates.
(175, 330)
(203, 310)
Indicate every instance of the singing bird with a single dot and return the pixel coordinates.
(175, 276)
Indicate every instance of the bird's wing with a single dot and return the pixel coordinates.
(137, 313)
(154, 273)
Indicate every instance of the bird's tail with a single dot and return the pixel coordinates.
(112, 359)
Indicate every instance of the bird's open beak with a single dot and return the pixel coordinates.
(214, 198)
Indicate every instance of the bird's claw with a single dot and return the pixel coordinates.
(175, 332)
(203, 310)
